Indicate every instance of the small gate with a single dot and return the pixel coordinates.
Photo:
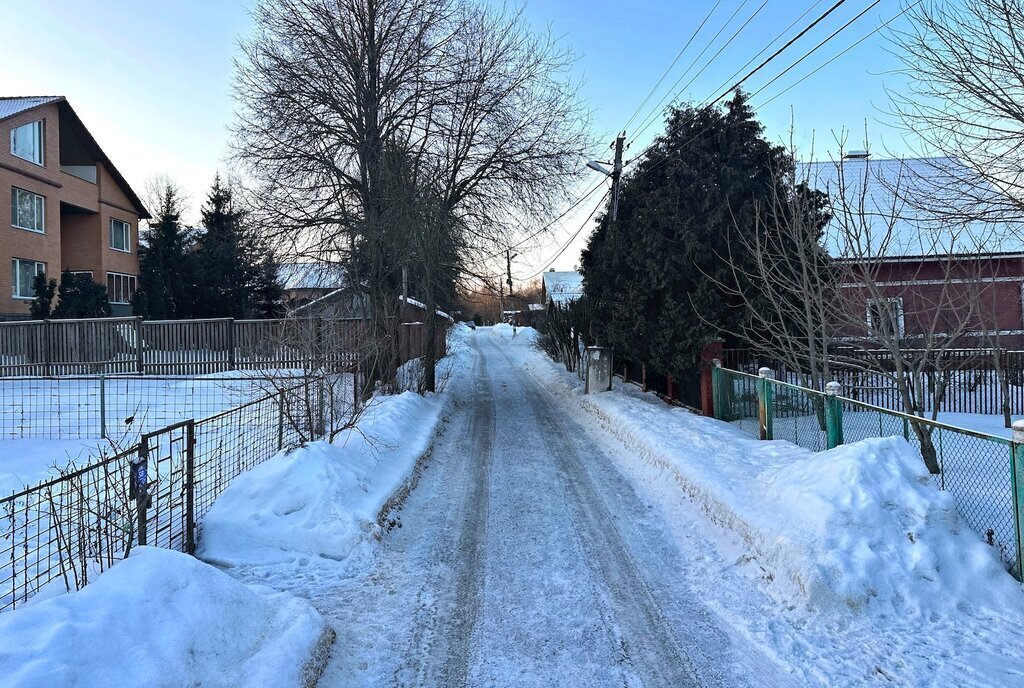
(163, 485)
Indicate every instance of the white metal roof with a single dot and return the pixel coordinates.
(909, 208)
(563, 287)
(312, 275)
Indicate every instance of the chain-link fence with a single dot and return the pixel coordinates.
(67, 530)
(980, 470)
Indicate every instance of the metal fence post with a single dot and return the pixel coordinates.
(190, 487)
(139, 489)
(833, 414)
(321, 403)
(716, 384)
(764, 403)
(103, 406)
(280, 421)
(1017, 483)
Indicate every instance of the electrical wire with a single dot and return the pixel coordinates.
(671, 66)
(839, 54)
(564, 246)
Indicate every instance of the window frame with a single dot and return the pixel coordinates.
(896, 313)
(40, 131)
(127, 235)
(15, 276)
(112, 278)
(14, 210)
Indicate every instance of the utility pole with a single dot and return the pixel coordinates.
(617, 173)
(508, 269)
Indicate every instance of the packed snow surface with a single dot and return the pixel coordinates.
(160, 618)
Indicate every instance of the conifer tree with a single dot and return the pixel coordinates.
(655, 274)
(166, 262)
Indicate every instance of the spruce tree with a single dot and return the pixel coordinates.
(166, 263)
(654, 275)
(236, 277)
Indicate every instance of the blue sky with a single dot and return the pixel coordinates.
(151, 80)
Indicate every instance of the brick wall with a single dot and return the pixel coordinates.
(77, 239)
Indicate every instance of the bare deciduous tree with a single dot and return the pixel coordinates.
(351, 109)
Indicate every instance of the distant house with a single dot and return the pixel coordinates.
(921, 257)
(561, 288)
(309, 281)
(69, 207)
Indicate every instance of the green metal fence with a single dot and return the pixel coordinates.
(984, 473)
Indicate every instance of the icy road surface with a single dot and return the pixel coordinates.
(523, 558)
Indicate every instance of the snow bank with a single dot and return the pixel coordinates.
(862, 524)
(161, 618)
(865, 521)
(523, 336)
(323, 498)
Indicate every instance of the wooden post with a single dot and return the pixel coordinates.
(231, 344)
(138, 346)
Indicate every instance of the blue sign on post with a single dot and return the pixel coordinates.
(137, 486)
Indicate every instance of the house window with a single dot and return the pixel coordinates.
(23, 272)
(121, 287)
(119, 235)
(27, 142)
(885, 318)
(28, 210)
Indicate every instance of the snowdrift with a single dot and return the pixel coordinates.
(862, 524)
(321, 499)
(161, 618)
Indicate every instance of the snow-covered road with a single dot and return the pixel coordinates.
(522, 557)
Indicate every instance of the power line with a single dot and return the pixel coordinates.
(657, 108)
(752, 72)
(768, 45)
(791, 41)
(564, 246)
(815, 48)
(840, 53)
(547, 226)
(667, 71)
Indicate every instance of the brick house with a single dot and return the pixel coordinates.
(931, 273)
(68, 206)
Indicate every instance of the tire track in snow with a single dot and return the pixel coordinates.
(463, 545)
(650, 645)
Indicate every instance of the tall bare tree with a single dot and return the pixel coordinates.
(336, 97)
(965, 100)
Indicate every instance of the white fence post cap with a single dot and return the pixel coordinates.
(833, 388)
(716, 362)
(765, 372)
(1018, 431)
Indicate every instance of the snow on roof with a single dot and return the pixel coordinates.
(536, 306)
(563, 287)
(419, 304)
(312, 275)
(908, 208)
(12, 105)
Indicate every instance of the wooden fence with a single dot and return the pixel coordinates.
(188, 347)
(972, 380)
